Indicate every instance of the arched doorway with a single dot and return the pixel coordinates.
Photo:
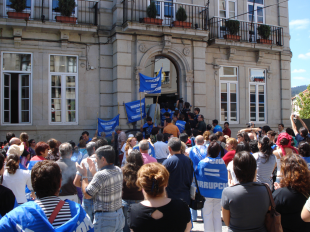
(170, 80)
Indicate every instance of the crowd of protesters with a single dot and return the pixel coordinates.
(148, 180)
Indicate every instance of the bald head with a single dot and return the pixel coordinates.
(199, 140)
(251, 135)
(15, 140)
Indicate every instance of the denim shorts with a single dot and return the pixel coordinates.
(109, 221)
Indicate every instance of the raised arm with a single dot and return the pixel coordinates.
(302, 123)
(293, 125)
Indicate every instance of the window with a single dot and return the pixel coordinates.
(258, 95)
(7, 7)
(63, 89)
(16, 88)
(227, 8)
(256, 11)
(229, 94)
(54, 10)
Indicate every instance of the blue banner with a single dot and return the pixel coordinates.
(150, 84)
(107, 126)
(133, 110)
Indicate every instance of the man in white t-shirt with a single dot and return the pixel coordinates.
(161, 149)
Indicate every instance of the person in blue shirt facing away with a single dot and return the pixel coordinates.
(217, 127)
(180, 123)
(212, 178)
(146, 129)
(304, 151)
(163, 111)
(139, 137)
(303, 133)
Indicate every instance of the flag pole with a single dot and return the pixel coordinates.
(140, 100)
(97, 123)
(158, 95)
(125, 112)
(118, 111)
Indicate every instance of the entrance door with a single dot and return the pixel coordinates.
(255, 15)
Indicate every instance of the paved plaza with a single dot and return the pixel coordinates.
(198, 226)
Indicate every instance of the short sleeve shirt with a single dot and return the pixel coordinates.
(171, 129)
(121, 138)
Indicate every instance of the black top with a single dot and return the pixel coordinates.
(176, 215)
(289, 204)
(7, 200)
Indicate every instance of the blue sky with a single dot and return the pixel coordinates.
(299, 18)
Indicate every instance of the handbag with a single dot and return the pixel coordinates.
(199, 199)
(273, 218)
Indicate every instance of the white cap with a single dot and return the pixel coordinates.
(16, 150)
(130, 136)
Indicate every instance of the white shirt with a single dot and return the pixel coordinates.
(161, 150)
(17, 183)
(125, 157)
(230, 168)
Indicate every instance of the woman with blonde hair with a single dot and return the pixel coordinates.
(130, 143)
(206, 136)
(157, 212)
(231, 145)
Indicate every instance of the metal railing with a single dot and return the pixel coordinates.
(135, 11)
(86, 12)
(248, 32)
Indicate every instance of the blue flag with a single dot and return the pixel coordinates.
(107, 126)
(133, 110)
(150, 84)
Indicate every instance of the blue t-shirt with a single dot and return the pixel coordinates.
(299, 138)
(198, 153)
(307, 159)
(147, 129)
(162, 116)
(151, 150)
(181, 177)
(181, 125)
(77, 157)
(217, 128)
(212, 177)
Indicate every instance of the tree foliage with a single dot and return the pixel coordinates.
(18, 5)
(181, 14)
(66, 7)
(303, 102)
(151, 10)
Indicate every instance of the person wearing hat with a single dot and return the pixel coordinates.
(15, 178)
(17, 149)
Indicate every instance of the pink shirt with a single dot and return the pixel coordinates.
(148, 159)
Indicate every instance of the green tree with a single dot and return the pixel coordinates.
(303, 102)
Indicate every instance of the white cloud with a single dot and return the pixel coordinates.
(299, 78)
(299, 23)
(304, 56)
(299, 71)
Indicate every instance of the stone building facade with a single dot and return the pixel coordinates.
(56, 77)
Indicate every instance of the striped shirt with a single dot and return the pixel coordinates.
(106, 189)
(48, 204)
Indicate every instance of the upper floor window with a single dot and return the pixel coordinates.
(256, 11)
(54, 9)
(63, 89)
(7, 6)
(227, 8)
(16, 93)
(229, 94)
(257, 82)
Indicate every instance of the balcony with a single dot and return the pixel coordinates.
(248, 33)
(197, 16)
(86, 12)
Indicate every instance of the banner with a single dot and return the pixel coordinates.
(133, 110)
(107, 126)
(150, 84)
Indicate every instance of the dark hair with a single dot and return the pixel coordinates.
(168, 120)
(100, 142)
(82, 143)
(215, 121)
(154, 130)
(197, 109)
(2, 157)
(3, 152)
(214, 149)
(303, 132)
(281, 124)
(53, 145)
(191, 115)
(219, 134)
(272, 133)
(166, 105)
(131, 168)
(290, 131)
(265, 147)
(304, 149)
(200, 115)
(175, 144)
(40, 147)
(243, 146)
(139, 136)
(266, 128)
(166, 137)
(284, 141)
(90, 148)
(213, 137)
(183, 137)
(85, 133)
(195, 132)
(182, 117)
(244, 166)
(9, 135)
(45, 178)
(107, 152)
(167, 114)
(253, 146)
(30, 141)
(12, 163)
(226, 123)
(160, 137)
(149, 118)
(209, 127)
(245, 136)
(187, 105)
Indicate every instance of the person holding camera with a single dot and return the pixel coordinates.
(303, 133)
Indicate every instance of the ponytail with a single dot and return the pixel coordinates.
(12, 163)
(265, 147)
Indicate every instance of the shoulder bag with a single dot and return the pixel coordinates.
(199, 199)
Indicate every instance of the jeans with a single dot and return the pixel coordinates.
(126, 204)
(212, 215)
(194, 214)
(109, 221)
(88, 206)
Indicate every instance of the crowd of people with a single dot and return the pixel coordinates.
(148, 181)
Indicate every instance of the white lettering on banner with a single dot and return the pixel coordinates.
(84, 226)
(211, 174)
(212, 185)
(107, 123)
(153, 85)
(151, 91)
(153, 80)
(108, 128)
(214, 161)
(136, 116)
(211, 170)
(137, 105)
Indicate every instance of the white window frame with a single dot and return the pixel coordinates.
(228, 95)
(30, 91)
(255, 12)
(24, 11)
(256, 84)
(63, 90)
(227, 8)
(58, 13)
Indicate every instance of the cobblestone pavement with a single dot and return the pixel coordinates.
(198, 226)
